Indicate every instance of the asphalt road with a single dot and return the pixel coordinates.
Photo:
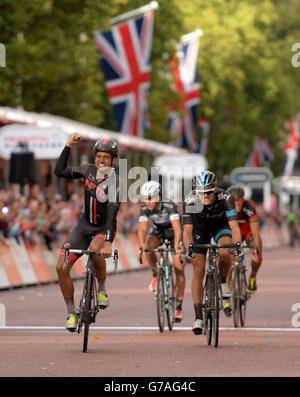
(125, 340)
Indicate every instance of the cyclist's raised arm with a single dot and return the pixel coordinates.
(61, 170)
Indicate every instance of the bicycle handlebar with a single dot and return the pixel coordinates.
(88, 252)
(237, 247)
(156, 250)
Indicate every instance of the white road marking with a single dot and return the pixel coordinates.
(52, 328)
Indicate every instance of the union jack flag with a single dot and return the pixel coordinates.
(186, 81)
(126, 56)
(262, 153)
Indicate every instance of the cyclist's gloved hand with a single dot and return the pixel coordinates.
(187, 258)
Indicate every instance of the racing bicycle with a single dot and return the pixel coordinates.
(240, 296)
(213, 302)
(88, 306)
(165, 287)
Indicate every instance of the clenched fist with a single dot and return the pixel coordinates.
(74, 139)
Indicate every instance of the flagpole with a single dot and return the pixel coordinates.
(189, 36)
(142, 10)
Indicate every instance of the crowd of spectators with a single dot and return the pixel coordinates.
(43, 216)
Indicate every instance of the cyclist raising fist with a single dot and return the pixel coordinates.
(96, 227)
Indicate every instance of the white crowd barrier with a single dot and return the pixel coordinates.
(27, 263)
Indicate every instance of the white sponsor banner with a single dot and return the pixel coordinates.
(46, 143)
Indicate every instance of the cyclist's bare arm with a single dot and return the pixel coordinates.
(187, 235)
(236, 232)
(177, 231)
(142, 232)
(257, 241)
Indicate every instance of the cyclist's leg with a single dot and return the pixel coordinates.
(178, 266)
(96, 244)
(200, 236)
(153, 241)
(223, 236)
(256, 261)
(100, 264)
(180, 277)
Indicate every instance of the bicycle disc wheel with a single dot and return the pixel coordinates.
(87, 309)
(216, 309)
(170, 306)
(235, 296)
(243, 300)
(160, 300)
(208, 325)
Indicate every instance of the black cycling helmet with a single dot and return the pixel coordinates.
(236, 191)
(108, 145)
(204, 180)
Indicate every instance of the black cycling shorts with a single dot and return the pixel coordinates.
(162, 234)
(203, 235)
(81, 236)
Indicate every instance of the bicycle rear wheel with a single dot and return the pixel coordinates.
(243, 295)
(86, 318)
(170, 305)
(236, 296)
(160, 300)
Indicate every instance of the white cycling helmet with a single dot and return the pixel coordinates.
(150, 189)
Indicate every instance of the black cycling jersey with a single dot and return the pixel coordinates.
(221, 210)
(209, 221)
(162, 217)
(101, 204)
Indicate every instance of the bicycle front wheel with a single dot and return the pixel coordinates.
(160, 300)
(170, 305)
(236, 296)
(87, 308)
(208, 307)
(216, 309)
(244, 297)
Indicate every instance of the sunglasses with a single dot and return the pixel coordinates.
(208, 192)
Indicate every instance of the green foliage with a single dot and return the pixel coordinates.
(248, 84)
